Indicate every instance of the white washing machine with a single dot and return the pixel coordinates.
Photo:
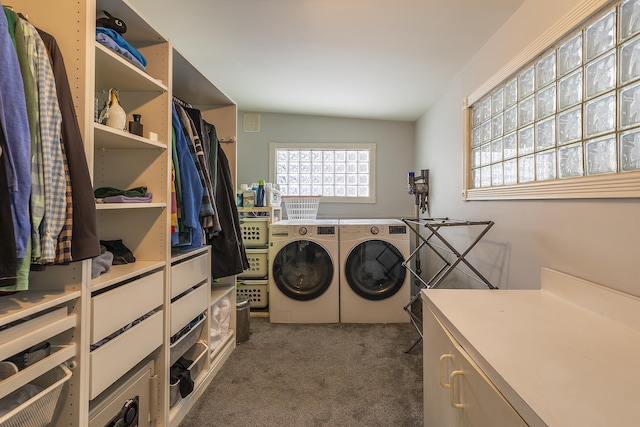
(374, 284)
(303, 272)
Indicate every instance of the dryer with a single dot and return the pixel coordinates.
(303, 272)
(374, 284)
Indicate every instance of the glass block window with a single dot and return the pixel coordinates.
(337, 172)
(572, 112)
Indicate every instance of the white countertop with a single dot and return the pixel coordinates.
(557, 362)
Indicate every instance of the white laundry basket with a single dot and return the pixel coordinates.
(301, 208)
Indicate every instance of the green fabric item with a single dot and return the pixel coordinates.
(110, 191)
(12, 18)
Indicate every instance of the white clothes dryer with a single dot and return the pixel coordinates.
(374, 284)
(304, 272)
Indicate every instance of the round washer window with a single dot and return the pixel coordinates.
(374, 269)
(302, 270)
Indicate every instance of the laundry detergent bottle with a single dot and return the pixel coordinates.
(260, 193)
(272, 195)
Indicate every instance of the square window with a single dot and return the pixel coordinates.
(570, 55)
(600, 115)
(324, 170)
(497, 102)
(526, 171)
(600, 75)
(629, 106)
(510, 172)
(570, 161)
(600, 155)
(569, 126)
(546, 70)
(525, 83)
(511, 93)
(630, 151)
(546, 102)
(545, 134)
(496, 174)
(570, 90)
(629, 57)
(600, 36)
(546, 165)
(629, 17)
(510, 144)
(525, 141)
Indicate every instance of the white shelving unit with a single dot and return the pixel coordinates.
(255, 227)
(163, 291)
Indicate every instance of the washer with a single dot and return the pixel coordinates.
(304, 273)
(374, 284)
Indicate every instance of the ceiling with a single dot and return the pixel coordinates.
(376, 59)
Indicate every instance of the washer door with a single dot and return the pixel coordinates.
(374, 270)
(302, 270)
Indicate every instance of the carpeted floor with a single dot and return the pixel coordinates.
(317, 375)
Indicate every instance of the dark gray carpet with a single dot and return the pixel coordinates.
(317, 375)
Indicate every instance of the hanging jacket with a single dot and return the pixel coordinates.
(228, 255)
(84, 238)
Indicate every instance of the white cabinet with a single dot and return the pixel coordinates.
(456, 391)
(563, 355)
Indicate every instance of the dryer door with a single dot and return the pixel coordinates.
(374, 269)
(302, 270)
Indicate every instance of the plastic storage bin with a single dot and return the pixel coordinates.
(256, 290)
(255, 232)
(258, 263)
(198, 355)
(301, 208)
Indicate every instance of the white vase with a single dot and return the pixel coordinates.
(116, 116)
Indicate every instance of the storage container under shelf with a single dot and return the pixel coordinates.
(256, 290)
(255, 232)
(198, 355)
(39, 410)
(186, 341)
(258, 264)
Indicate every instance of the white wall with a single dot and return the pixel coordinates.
(394, 150)
(594, 239)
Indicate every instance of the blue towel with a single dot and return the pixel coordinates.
(120, 42)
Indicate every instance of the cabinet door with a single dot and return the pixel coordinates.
(438, 364)
(478, 403)
(456, 391)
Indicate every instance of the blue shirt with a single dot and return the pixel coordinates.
(15, 125)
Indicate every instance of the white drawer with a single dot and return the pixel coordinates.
(118, 307)
(185, 309)
(188, 274)
(113, 359)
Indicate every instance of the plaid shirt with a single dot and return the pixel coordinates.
(53, 166)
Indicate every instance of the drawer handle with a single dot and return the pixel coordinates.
(452, 393)
(440, 366)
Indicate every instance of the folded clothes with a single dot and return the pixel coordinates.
(126, 199)
(103, 192)
(122, 43)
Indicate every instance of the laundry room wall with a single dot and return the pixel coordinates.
(594, 239)
(394, 150)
